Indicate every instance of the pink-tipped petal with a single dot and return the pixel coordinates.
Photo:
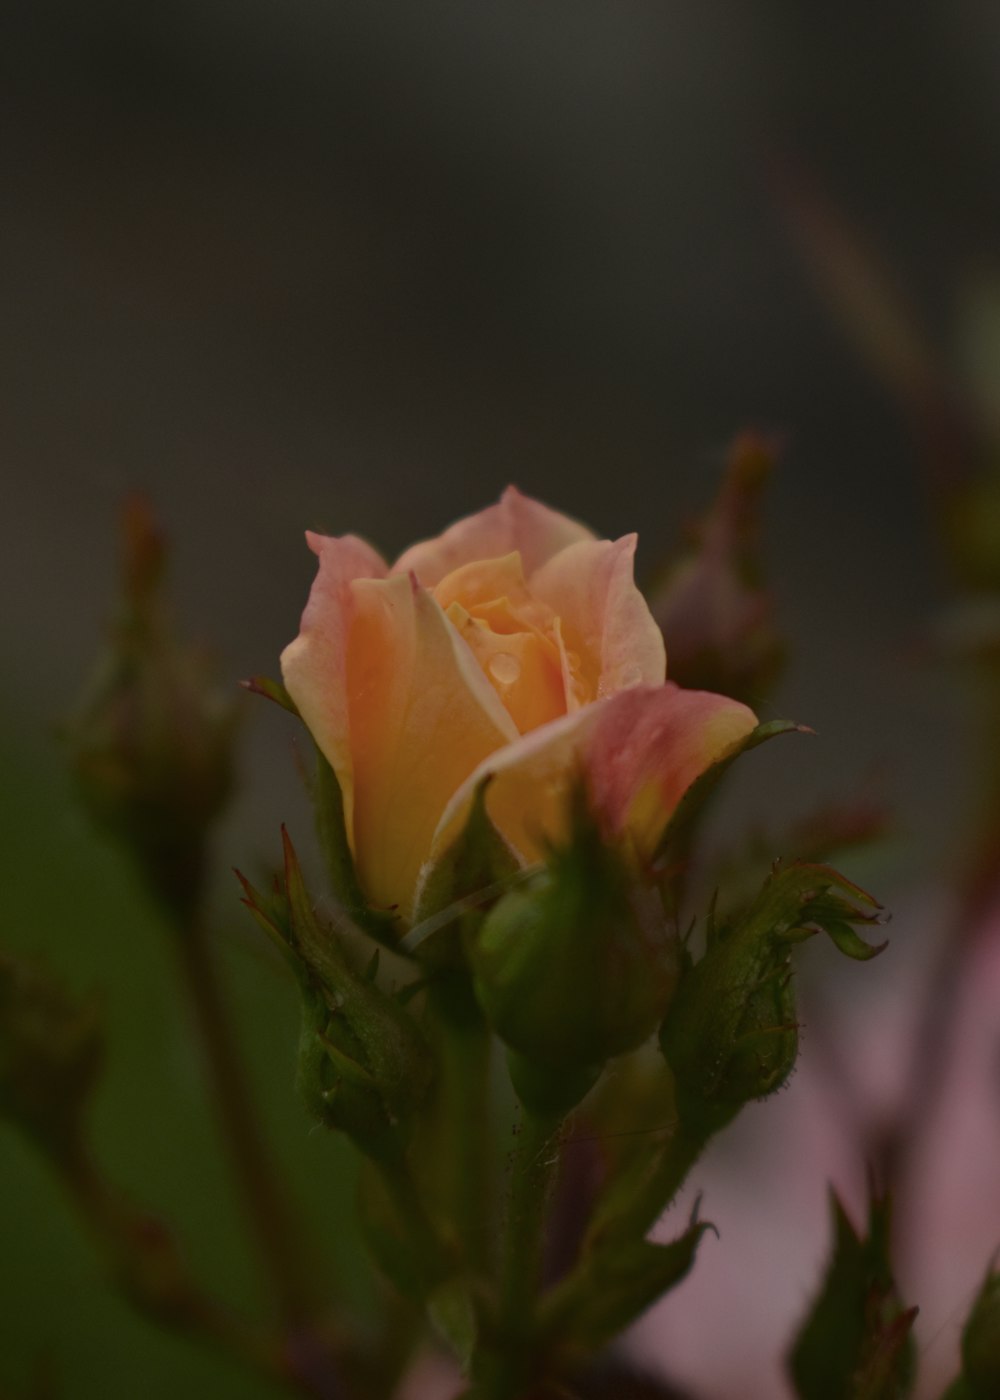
(638, 751)
(314, 665)
(422, 717)
(605, 620)
(649, 745)
(516, 522)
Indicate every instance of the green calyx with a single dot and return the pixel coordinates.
(577, 964)
(364, 1066)
(731, 1033)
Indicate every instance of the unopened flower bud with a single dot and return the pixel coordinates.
(364, 1066)
(578, 964)
(151, 747)
(51, 1052)
(731, 1033)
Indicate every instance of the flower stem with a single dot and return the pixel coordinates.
(149, 1271)
(503, 1370)
(641, 1199)
(265, 1206)
(463, 1134)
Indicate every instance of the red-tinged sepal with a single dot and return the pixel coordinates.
(731, 1033)
(363, 1064)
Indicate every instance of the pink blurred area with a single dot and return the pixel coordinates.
(724, 1333)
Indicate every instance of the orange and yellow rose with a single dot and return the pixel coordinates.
(514, 645)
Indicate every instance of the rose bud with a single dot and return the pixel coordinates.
(575, 966)
(514, 650)
(717, 617)
(730, 1034)
(152, 745)
(363, 1065)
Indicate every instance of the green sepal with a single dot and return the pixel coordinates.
(328, 804)
(617, 1286)
(856, 1343)
(331, 829)
(271, 690)
(577, 963)
(456, 892)
(364, 1066)
(731, 1032)
(452, 1310)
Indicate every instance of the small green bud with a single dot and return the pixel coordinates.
(51, 1054)
(981, 1342)
(576, 965)
(731, 1033)
(152, 745)
(364, 1065)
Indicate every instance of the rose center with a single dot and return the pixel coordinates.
(516, 639)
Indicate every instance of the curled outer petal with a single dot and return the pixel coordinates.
(313, 665)
(515, 523)
(605, 620)
(638, 752)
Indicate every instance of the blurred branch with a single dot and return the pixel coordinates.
(960, 447)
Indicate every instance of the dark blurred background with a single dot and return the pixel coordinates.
(356, 266)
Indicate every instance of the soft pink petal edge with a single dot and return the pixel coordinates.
(649, 745)
(313, 665)
(591, 588)
(516, 522)
(648, 734)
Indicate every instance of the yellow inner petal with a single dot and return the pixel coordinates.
(516, 639)
(524, 668)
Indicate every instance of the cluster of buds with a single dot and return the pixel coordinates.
(507, 794)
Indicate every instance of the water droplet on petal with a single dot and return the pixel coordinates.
(504, 668)
(629, 676)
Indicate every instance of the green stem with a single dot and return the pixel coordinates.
(503, 1370)
(463, 1138)
(637, 1200)
(267, 1211)
(147, 1267)
(427, 1245)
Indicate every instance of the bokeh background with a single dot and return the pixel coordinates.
(357, 266)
